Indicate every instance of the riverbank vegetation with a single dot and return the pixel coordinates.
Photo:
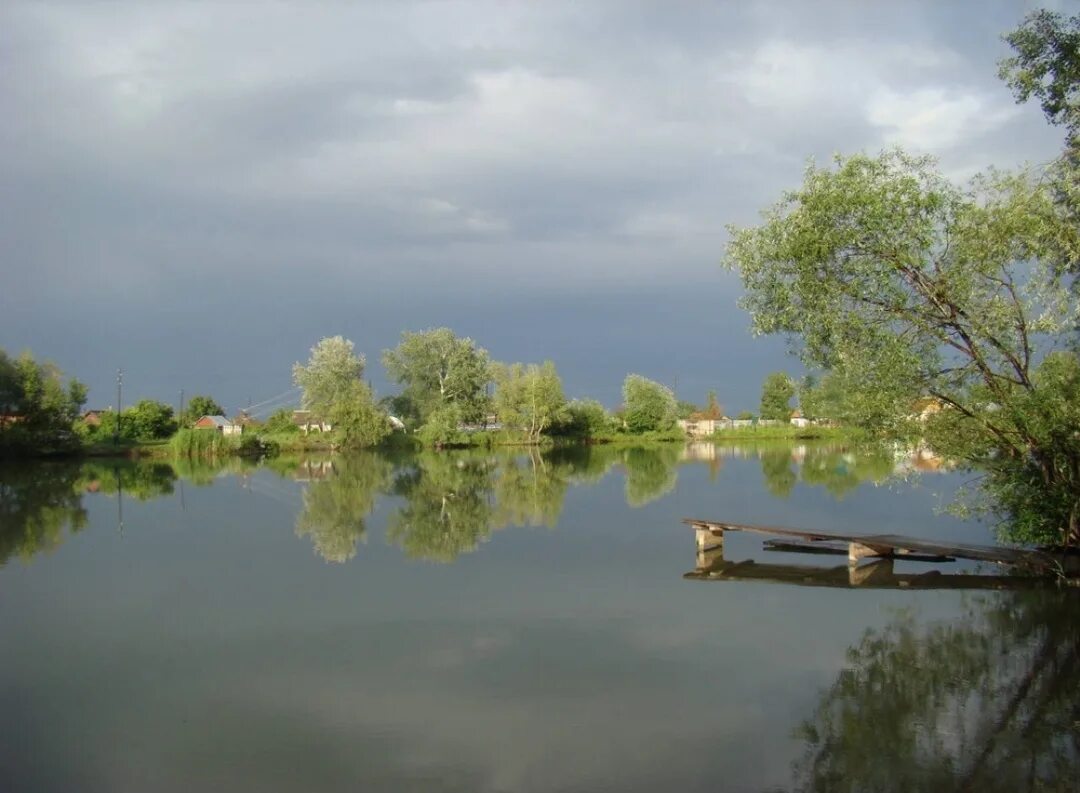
(906, 288)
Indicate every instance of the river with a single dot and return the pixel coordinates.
(508, 621)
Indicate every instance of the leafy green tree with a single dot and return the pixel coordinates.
(11, 392)
(443, 427)
(148, 420)
(38, 407)
(776, 394)
(584, 418)
(745, 415)
(438, 368)
(905, 286)
(333, 389)
(648, 406)
(329, 375)
(685, 410)
(199, 406)
(822, 398)
(1047, 66)
(357, 419)
(529, 398)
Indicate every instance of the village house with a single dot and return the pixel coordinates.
(218, 424)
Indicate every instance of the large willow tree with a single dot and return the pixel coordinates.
(907, 287)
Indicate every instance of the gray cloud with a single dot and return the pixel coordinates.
(208, 184)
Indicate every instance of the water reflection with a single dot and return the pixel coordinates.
(445, 503)
(143, 481)
(340, 496)
(986, 703)
(37, 504)
(838, 470)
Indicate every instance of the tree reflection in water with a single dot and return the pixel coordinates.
(454, 501)
(839, 470)
(985, 703)
(530, 490)
(337, 505)
(651, 472)
(37, 503)
(448, 506)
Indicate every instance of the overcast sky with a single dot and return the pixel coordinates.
(198, 192)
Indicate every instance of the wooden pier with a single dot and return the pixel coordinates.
(709, 537)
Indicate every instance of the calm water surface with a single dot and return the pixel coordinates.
(506, 622)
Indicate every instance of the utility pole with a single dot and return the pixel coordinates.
(119, 387)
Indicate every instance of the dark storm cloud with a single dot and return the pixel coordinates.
(198, 192)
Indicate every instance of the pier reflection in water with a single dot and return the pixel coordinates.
(299, 625)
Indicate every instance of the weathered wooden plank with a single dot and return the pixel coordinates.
(841, 549)
(865, 545)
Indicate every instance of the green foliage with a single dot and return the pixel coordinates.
(684, 409)
(447, 508)
(529, 491)
(439, 369)
(584, 418)
(442, 427)
(978, 703)
(199, 406)
(651, 472)
(37, 407)
(1025, 508)
(336, 507)
(745, 415)
(903, 286)
(330, 374)
(37, 504)
(357, 420)
(148, 420)
(141, 480)
(776, 394)
(333, 390)
(529, 398)
(1047, 66)
(648, 406)
(823, 398)
(778, 473)
(280, 422)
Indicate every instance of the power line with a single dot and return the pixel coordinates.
(290, 392)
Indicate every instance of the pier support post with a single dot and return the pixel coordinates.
(857, 551)
(710, 547)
